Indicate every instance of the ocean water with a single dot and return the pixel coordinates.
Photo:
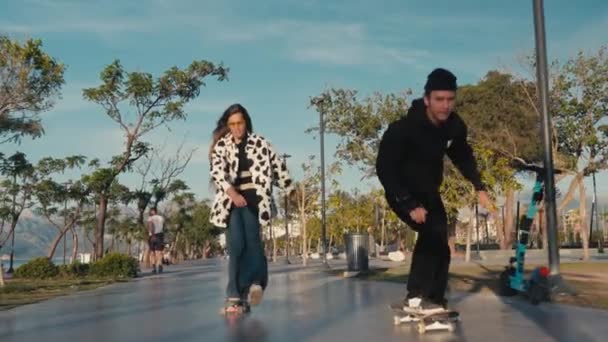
(20, 261)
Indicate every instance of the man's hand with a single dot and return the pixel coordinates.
(418, 215)
(486, 202)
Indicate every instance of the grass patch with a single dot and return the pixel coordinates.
(589, 280)
(27, 291)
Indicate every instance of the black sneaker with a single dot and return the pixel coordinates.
(444, 303)
(160, 268)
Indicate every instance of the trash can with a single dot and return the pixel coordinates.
(357, 251)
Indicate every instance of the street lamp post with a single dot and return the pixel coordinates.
(285, 156)
(318, 101)
(323, 206)
(543, 85)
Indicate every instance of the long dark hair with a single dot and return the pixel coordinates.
(221, 129)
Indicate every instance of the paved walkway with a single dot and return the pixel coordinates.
(301, 305)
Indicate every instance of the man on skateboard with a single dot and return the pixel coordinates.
(410, 168)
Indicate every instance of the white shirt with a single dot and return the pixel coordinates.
(158, 222)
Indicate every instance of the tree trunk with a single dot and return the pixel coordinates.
(508, 223)
(274, 246)
(178, 238)
(112, 242)
(55, 243)
(570, 193)
(452, 236)
(146, 255)
(383, 227)
(1, 275)
(304, 245)
(74, 244)
(543, 229)
(101, 226)
(309, 243)
(583, 216)
(467, 255)
(534, 229)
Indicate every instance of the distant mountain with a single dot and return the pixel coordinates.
(34, 236)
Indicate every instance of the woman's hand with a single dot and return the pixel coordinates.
(238, 199)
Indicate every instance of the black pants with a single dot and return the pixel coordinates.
(247, 264)
(428, 276)
(157, 242)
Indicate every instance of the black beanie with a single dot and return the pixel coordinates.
(440, 79)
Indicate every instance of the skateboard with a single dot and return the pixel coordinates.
(243, 310)
(439, 320)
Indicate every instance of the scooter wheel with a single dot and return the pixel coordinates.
(505, 284)
(536, 293)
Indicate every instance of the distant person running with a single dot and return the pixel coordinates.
(156, 239)
(244, 167)
(410, 167)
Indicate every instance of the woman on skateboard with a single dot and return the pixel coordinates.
(244, 168)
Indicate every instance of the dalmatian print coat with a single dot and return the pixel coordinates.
(267, 170)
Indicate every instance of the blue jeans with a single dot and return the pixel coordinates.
(247, 263)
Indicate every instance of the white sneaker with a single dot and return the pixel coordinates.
(255, 294)
(414, 303)
(419, 305)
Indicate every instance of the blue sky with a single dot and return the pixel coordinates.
(280, 53)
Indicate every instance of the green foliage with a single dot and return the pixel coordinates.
(115, 265)
(31, 79)
(349, 212)
(500, 113)
(51, 193)
(495, 171)
(37, 268)
(150, 103)
(74, 270)
(187, 225)
(580, 107)
(359, 123)
(156, 101)
(597, 235)
(16, 188)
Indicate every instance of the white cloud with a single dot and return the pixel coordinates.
(587, 38)
(309, 41)
(331, 43)
(71, 99)
(206, 106)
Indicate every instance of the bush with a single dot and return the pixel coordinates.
(115, 265)
(75, 269)
(597, 235)
(37, 268)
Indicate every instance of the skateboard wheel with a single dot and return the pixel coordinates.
(396, 320)
(421, 327)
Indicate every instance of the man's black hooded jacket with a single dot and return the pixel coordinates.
(411, 156)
